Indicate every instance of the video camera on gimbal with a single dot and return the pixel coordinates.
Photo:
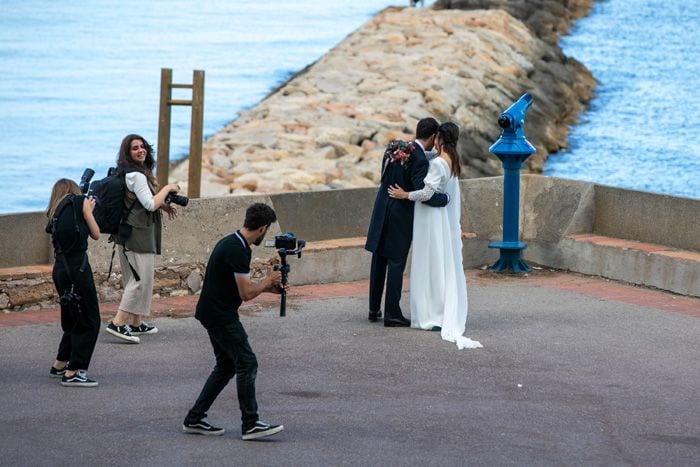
(286, 244)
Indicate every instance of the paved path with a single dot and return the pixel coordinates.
(575, 370)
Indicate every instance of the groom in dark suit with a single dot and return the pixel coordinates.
(391, 227)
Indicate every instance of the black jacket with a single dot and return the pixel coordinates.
(391, 226)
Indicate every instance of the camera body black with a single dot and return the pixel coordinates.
(85, 181)
(287, 241)
(177, 199)
(70, 299)
(287, 244)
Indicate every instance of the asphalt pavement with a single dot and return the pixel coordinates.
(564, 378)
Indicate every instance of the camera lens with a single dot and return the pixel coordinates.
(504, 122)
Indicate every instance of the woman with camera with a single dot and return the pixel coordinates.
(139, 239)
(70, 223)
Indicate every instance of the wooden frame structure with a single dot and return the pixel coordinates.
(194, 180)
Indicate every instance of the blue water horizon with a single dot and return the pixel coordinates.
(79, 77)
(641, 129)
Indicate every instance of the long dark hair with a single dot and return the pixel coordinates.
(124, 160)
(448, 134)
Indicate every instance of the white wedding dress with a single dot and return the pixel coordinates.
(438, 288)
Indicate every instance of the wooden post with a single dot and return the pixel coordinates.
(194, 179)
(163, 148)
(195, 173)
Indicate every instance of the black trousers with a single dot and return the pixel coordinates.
(80, 329)
(233, 357)
(389, 270)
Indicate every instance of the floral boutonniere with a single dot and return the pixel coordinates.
(398, 151)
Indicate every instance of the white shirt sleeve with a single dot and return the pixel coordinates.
(136, 182)
(432, 181)
(422, 195)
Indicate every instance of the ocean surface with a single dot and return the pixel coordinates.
(642, 130)
(78, 76)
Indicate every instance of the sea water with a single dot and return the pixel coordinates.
(76, 77)
(642, 130)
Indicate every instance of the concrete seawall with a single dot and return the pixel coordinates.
(636, 237)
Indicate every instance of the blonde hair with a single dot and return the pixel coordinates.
(61, 189)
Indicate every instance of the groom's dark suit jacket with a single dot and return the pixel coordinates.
(391, 227)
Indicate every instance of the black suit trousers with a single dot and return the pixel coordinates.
(389, 270)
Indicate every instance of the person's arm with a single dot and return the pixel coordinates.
(427, 194)
(93, 228)
(136, 182)
(438, 200)
(395, 191)
(249, 290)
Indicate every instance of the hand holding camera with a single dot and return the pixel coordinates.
(286, 244)
(177, 199)
(173, 197)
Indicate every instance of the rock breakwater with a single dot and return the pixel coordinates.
(326, 127)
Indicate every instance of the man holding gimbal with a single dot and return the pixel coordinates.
(226, 285)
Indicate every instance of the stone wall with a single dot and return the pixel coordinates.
(548, 19)
(326, 127)
(552, 211)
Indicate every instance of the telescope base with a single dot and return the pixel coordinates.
(510, 259)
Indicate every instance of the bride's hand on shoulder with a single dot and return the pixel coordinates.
(397, 192)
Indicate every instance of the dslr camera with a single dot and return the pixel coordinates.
(286, 244)
(70, 300)
(177, 199)
(288, 241)
(85, 181)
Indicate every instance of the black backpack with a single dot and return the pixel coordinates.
(109, 196)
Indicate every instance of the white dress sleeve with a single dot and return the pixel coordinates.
(136, 182)
(432, 182)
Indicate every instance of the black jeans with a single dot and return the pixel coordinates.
(80, 329)
(391, 270)
(233, 357)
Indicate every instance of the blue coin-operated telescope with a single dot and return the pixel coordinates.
(512, 149)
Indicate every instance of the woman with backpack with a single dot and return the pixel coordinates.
(70, 223)
(139, 238)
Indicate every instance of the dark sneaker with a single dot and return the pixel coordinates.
(122, 332)
(260, 430)
(79, 379)
(144, 328)
(56, 373)
(202, 427)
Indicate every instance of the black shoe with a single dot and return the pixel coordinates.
(400, 322)
(56, 373)
(122, 332)
(79, 379)
(260, 430)
(143, 328)
(202, 427)
(374, 316)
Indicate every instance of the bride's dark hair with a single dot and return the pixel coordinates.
(448, 133)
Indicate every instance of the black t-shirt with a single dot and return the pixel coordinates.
(219, 301)
(71, 231)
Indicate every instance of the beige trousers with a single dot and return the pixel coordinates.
(137, 295)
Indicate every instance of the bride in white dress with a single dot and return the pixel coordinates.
(438, 294)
